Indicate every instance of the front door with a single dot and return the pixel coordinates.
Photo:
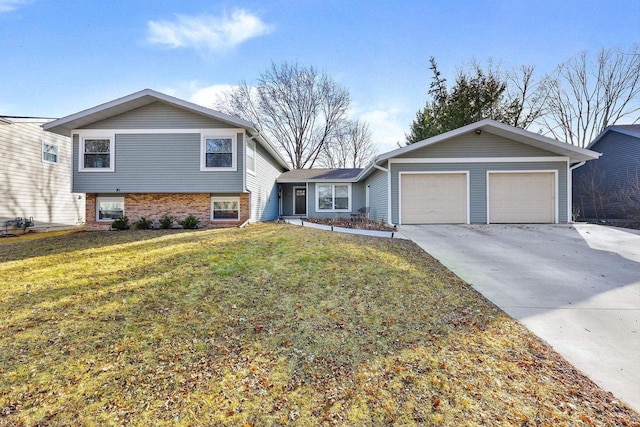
(300, 201)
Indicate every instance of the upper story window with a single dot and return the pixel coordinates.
(251, 157)
(49, 153)
(96, 155)
(218, 153)
(333, 197)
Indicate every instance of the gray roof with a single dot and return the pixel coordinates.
(505, 131)
(632, 128)
(303, 175)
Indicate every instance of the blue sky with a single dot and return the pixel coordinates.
(60, 57)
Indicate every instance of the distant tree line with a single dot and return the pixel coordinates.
(574, 103)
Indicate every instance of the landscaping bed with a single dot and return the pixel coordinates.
(267, 325)
(355, 223)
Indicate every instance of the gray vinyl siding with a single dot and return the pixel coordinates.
(483, 145)
(158, 115)
(159, 163)
(478, 183)
(378, 201)
(287, 197)
(357, 201)
(31, 187)
(263, 187)
(597, 183)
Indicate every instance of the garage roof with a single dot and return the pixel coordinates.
(575, 154)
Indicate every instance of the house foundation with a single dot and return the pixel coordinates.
(153, 206)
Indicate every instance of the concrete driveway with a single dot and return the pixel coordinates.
(575, 286)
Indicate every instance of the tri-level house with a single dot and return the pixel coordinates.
(150, 154)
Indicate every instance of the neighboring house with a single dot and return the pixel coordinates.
(35, 177)
(486, 172)
(609, 188)
(149, 155)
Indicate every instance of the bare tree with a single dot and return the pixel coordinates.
(584, 96)
(299, 108)
(527, 96)
(352, 147)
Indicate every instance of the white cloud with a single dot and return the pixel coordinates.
(9, 5)
(387, 127)
(206, 32)
(210, 96)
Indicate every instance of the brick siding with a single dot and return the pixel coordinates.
(154, 206)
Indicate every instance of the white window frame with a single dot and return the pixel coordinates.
(44, 144)
(203, 152)
(108, 199)
(251, 153)
(225, 199)
(333, 195)
(112, 152)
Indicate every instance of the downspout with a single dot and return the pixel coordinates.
(570, 189)
(388, 172)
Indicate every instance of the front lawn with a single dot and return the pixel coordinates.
(267, 325)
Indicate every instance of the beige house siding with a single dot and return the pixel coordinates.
(32, 187)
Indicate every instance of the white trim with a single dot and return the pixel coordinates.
(367, 201)
(500, 129)
(570, 192)
(556, 202)
(389, 204)
(155, 131)
(321, 181)
(246, 156)
(234, 151)
(481, 159)
(225, 199)
(466, 173)
(333, 193)
(108, 199)
(57, 153)
(306, 200)
(112, 151)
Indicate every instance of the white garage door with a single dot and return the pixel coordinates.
(522, 197)
(439, 198)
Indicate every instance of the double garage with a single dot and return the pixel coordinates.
(503, 196)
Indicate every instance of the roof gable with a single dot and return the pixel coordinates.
(505, 131)
(119, 106)
(146, 97)
(632, 131)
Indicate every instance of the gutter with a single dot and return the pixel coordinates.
(577, 165)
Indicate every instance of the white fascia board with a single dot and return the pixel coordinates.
(480, 159)
(500, 129)
(136, 100)
(293, 181)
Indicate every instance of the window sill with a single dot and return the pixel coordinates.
(218, 169)
(96, 170)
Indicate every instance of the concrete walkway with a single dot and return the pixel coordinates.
(575, 286)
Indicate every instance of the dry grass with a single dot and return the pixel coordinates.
(267, 325)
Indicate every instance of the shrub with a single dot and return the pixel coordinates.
(190, 222)
(166, 221)
(143, 224)
(121, 224)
